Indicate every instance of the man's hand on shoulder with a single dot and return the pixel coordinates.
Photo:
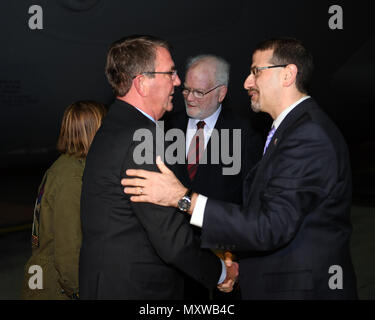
(162, 188)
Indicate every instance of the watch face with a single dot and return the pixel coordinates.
(184, 204)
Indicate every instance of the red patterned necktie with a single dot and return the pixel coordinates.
(196, 150)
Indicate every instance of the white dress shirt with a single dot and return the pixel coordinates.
(207, 130)
(191, 129)
(200, 205)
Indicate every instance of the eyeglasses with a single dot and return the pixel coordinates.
(196, 93)
(255, 70)
(173, 74)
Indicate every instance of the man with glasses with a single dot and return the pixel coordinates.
(204, 89)
(294, 228)
(129, 250)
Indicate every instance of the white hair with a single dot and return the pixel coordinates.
(222, 67)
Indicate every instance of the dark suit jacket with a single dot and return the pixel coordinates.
(295, 222)
(209, 179)
(132, 250)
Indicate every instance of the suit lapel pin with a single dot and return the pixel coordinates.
(275, 142)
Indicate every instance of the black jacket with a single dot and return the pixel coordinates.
(132, 250)
(295, 222)
(209, 179)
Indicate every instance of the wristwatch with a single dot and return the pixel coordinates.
(185, 202)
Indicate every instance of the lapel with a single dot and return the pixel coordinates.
(287, 123)
(219, 125)
(180, 121)
(255, 176)
(120, 111)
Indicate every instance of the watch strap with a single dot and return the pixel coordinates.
(189, 193)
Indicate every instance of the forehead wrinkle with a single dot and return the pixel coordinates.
(203, 77)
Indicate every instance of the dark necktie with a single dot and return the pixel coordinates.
(196, 150)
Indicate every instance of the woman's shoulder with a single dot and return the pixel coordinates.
(67, 166)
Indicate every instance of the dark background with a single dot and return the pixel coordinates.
(43, 71)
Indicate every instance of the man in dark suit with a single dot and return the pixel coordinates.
(294, 227)
(204, 89)
(129, 250)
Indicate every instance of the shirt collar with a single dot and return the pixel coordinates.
(210, 121)
(147, 115)
(283, 114)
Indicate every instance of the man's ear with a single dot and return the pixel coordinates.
(289, 75)
(141, 85)
(222, 93)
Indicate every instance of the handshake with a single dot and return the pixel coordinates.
(232, 273)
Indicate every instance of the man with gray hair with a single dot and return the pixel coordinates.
(136, 251)
(204, 89)
(294, 226)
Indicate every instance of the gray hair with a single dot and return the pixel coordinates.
(221, 70)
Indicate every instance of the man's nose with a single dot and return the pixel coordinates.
(249, 81)
(177, 81)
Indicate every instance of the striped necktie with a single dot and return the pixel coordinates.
(269, 138)
(196, 150)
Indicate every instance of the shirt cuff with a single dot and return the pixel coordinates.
(198, 212)
(223, 272)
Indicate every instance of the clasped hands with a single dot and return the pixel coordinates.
(232, 274)
(163, 188)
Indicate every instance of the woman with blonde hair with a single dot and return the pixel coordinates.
(56, 231)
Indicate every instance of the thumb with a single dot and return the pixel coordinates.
(228, 259)
(162, 167)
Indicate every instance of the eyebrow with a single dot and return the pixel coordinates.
(195, 89)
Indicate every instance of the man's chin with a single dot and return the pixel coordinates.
(256, 107)
(190, 112)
